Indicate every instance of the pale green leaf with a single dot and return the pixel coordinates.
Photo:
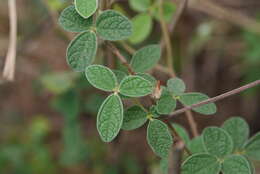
(70, 20)
(82, 51)
(159, 138)
(217, 141)
(112, 25)
(176, 86)
(101, 77)
(166, 103)
(201, 164)
(86, 8)
(236, 164)
(146, 58)
(140, 5)
(188, 99)
(135, 86)
(142, 27)
(110, 118)
(134, 117)
(196, 145)
(238, 129)
(148, 77)
(252, 147)
(169, 9)
(120, 75)
(182, 133)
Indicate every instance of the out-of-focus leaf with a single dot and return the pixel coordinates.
(140, 5)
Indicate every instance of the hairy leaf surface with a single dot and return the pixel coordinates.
(134, 117)
(176, 86)
(159, 138)
(70, 20)
(236, 164)
(112, 25)
(146, 58)
(86, 8)
(252, 147)
(217, 141)
(101, 77)
(110, 118)
(82, 51)
(135, 86)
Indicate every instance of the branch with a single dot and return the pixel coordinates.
(217, 98)
(9, 68)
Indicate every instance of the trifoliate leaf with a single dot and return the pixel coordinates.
(217, 141)
(182, 133)
(196, 145)
(70, 20)
(101, 77)
(176, 86)
(188, 99)
(166, 104)
(159, 138)
(82, 51)
(135, 86)
(110, 118)
(238, 129)
(236, 164)
(146, 58)
(201, 164)
(153, 111)
(120, 75)
(142, 27)
(140, 6)
(148, 77)
(134, 117)
(86, 8)
(252, 147)
(113, 26)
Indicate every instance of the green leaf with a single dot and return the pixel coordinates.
(166, 104)
(182, 133)
(101, 77)
(236, 164)
(146, 58)
(148, 77)
(159, 138)
(120, 75)
(67, 104)
(140, 6)
(134, 117)
(201, 164)
(252, 147)
(110, 118)
(169, 9)
(217, 141)
(164, 165)
(113, 26)
(196, 145)
(70, 20)
(176, 86)
(238, 129)
(86, 8)
(82, 51)
(142, 27)
(135, 86)
(58, 82)
(188, 99)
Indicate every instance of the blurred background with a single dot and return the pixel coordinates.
(48, 113)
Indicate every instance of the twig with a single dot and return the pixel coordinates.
(121, 57)
(227, 14)
(217, 98)
(192, 123)
(167, 40)
(9, 68)
(176, 157)
(178, 14)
